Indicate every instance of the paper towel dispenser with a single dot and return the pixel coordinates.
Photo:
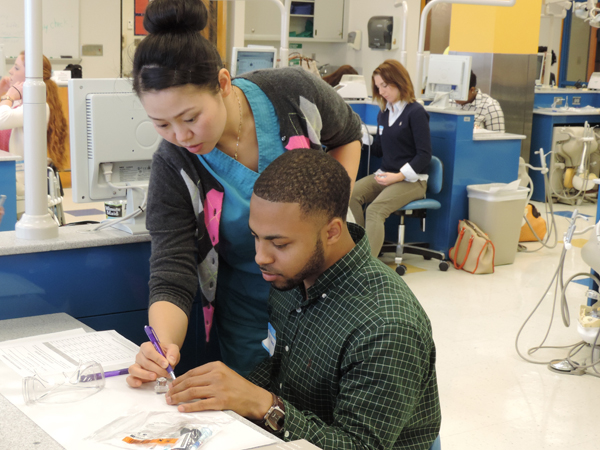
(384, 32)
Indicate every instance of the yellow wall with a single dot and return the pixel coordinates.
(496, 29)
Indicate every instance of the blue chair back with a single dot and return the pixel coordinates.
(437, 445)
(436, 175)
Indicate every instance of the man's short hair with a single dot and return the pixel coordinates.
(473, 81)
(311, 178)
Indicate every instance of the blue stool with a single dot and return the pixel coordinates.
(418, 209)
(437, 444)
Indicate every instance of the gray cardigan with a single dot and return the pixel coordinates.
(183, 196)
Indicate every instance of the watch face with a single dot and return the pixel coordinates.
(275, 419)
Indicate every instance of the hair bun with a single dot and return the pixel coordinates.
(175, 16)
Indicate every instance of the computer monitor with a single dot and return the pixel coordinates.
(108, 125)
(247, 59)
(448, 77)
(352, 87)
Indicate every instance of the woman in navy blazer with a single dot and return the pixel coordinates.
(404, 143)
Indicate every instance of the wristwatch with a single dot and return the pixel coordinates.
(6, 97)
(275, 416)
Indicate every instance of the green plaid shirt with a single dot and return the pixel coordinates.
(354, 359)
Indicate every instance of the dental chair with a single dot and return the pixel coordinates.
(574, 164)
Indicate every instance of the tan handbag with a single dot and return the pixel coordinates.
(473, 251)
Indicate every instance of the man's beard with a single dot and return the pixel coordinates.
(312, 267)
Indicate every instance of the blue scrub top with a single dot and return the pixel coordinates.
(242, 293)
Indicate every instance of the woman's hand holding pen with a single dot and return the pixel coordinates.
(149, 364)
(219, 388)
(388, 178)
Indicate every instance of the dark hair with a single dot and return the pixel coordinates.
(311, 178)
(334, 78)
(473, 81)
(175, 53)
(394, 73)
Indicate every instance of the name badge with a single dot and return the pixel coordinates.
(380, 130)
(270, 341)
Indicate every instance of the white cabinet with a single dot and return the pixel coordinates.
(310, 21)
(263, 20)
(329, 20)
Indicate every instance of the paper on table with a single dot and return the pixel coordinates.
(48, 354)
(69, 424)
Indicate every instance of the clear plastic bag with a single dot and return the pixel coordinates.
(160, 430)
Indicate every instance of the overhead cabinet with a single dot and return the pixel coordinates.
(310, 21)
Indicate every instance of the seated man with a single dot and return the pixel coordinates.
(352, 358)
(488, 113)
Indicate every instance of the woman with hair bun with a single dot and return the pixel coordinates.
(219, 135)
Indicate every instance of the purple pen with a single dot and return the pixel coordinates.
(116, 373)
(99, 376)
(154, 339)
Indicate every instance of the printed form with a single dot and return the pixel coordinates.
(51, 354)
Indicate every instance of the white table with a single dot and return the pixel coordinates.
(18, 430)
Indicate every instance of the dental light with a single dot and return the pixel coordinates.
(556, 8)
(588, 12)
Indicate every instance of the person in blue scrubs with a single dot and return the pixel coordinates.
(219, 135)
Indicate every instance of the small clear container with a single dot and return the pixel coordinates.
(161, 386)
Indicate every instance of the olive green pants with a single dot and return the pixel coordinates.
(382, 201)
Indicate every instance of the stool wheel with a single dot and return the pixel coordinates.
(427, 258)
(444, 266)
(401, 269)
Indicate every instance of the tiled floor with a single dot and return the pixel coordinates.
(491, 398)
